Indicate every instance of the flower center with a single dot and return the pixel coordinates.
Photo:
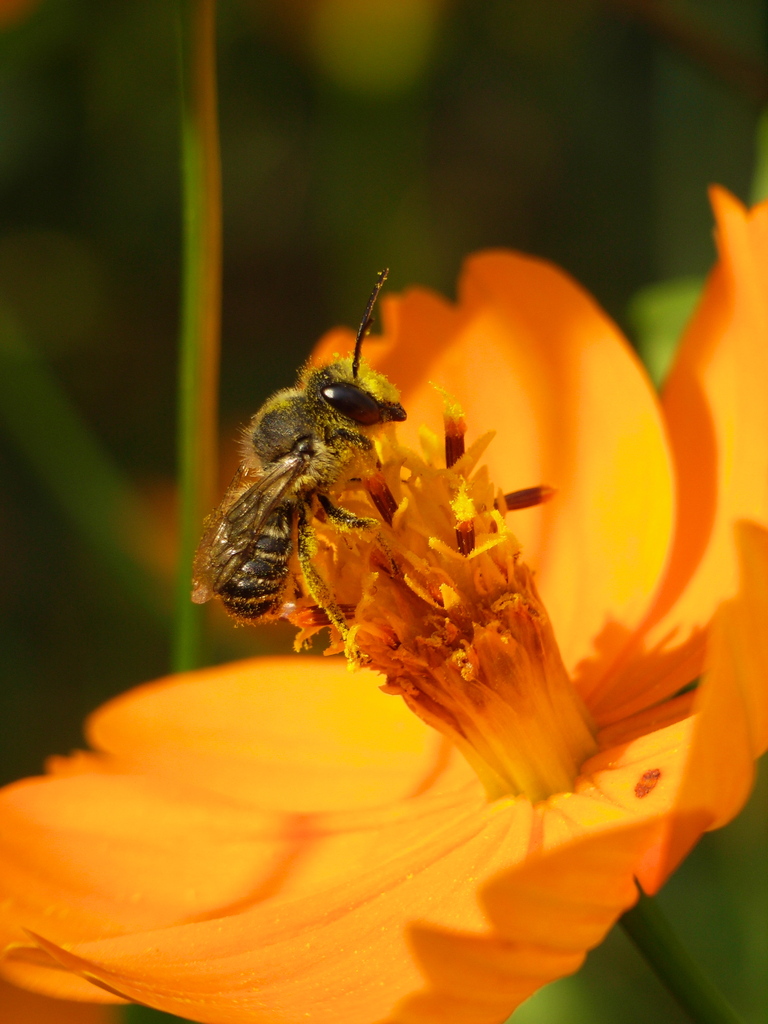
(446, 609)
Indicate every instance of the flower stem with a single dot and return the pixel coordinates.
(654, 937)
(200, 307)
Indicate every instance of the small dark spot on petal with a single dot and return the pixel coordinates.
(647, 782)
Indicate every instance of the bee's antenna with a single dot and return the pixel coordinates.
(365, 326)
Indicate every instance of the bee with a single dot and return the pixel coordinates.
(299, 444)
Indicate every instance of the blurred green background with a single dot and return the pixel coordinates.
(355, 134)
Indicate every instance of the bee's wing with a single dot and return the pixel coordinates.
(237, 522)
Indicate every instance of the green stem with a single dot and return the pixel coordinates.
(653, 935)
(200, 307)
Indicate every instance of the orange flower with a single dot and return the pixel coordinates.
(277, 838)
(20, 1007)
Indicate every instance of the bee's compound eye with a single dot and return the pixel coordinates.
(352, 401)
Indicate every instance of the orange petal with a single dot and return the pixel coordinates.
(342, 951)
(643, 676)
(130, 853)
(293, 734)
(181, 818)
(568, 898)
(647, 721)
(478, 979)
(731, 712)
(528, 354)
(715, 405)
(34, 970)
(720, 767)
(744, 635)
(642, 777)
(545, 913)
(20, 1007)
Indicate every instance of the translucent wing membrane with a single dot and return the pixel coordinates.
(234, 527)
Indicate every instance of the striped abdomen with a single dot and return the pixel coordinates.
(256, 587)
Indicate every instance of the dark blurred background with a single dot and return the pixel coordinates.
(355, 134)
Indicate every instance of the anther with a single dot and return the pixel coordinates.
(465, 537)
(455, 429)
(381, 496)
(528, 497)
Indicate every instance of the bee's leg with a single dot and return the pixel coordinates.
(318, 588)
(342, 518)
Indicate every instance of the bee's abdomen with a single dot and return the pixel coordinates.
(256, 588)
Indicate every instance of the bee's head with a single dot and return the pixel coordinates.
(351, 387)
(367, 398)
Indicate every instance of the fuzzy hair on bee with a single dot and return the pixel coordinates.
(301, 442)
